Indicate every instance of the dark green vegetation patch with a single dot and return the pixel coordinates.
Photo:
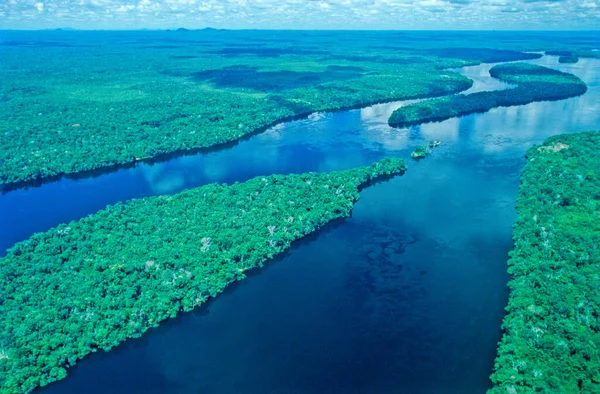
(274, 81)
(533, 83)
(93, 283)
(133, 96)
(266, 52)
(572, 56)
(551, 340)
(484, 55)
(108, 99)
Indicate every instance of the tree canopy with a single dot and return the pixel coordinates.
(533, 83)
(92, 283)
(551, 341)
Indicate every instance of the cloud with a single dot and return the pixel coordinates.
(302, 14)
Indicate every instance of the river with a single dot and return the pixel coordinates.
(406, 296)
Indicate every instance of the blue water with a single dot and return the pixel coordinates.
(406, 296)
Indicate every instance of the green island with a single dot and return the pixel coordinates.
(551, 341)
(420, 152)
(568, 59)
(95, 282)
(533, 83)
(484, 55)
(572, 56)
(61, 113)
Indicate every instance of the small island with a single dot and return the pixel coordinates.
(565, 56)
(533, 83)
(420, 152)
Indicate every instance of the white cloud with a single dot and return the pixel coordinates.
(303, 14)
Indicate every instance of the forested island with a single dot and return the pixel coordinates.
(198, 90)
(533, 83)
(101, 114)
(551, 340)
(91, 284)
(572, 56)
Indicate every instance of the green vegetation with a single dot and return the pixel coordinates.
(565, 56)
(483, 55)
(568, 59)
(81, 101)
(72, 102)
(573, 56)
(533, 83)
(551, 340)
(420, 152)
(93, 283)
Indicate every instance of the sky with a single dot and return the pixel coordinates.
(302, 14)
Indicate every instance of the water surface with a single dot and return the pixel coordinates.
(405, 296)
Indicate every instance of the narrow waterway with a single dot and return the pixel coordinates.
(298, 146)
(405, 296)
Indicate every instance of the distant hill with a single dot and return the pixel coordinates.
(183, 29)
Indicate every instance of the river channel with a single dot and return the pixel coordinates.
(406, 296)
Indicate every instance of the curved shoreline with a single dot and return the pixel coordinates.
(135, 264)
(550, 332)
(99, 169)
(163, 157)
(99, 363)
(533, 84)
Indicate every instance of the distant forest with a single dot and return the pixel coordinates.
(533, 83)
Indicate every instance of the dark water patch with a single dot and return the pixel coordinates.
(271, 39)
(417, 39)
(353, 58)
(591, 42)
(160, 384)
(161, 47)
(482, 54)
(408, 60)
(41, 44)
(266, 52)
(559, 53)
(244, 44)
(378, 59)
(175, 72)
(301, 325)
(183, 57)
(394, 47)
(173, 41)
(270, 81)
(355, 69)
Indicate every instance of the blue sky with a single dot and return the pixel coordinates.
(302, 14)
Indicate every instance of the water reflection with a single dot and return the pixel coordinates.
(406, 296)
(480, 75)
(325, 141)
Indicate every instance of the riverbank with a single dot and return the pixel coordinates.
(90, 284)
(551, 336)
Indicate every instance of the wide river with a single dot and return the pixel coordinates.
(406, 296)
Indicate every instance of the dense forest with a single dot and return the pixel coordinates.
(572, 56)
(91, 284)
(77, 102)
(533, 83)
(551, 340)
(70, 107)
